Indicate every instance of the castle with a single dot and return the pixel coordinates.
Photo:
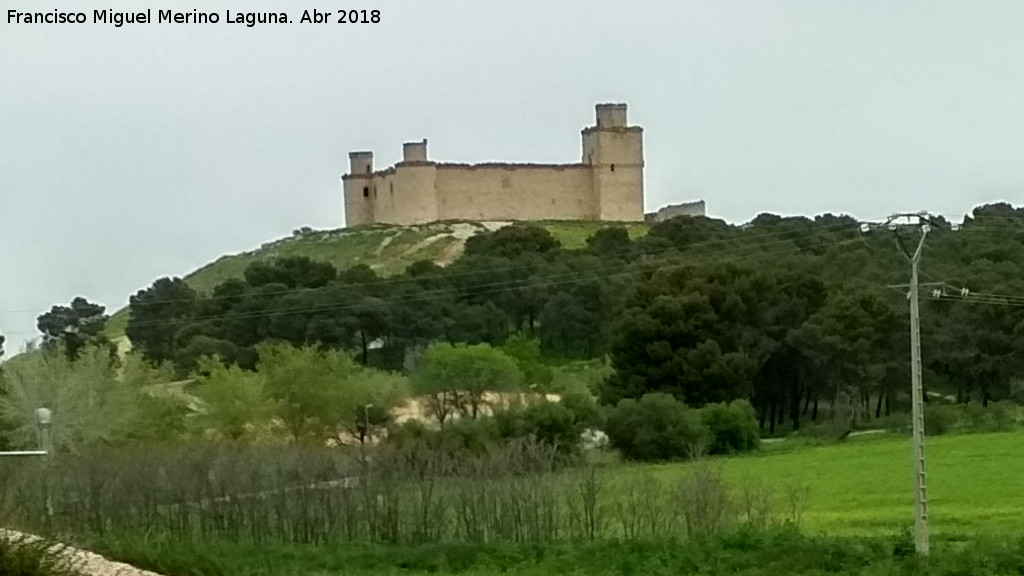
(607, 183)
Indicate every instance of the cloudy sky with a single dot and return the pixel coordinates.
(131, 153)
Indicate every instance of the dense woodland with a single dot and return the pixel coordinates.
(796, 315)
(786, 312)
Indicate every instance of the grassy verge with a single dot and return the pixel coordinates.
(750, 553)
(732, 515)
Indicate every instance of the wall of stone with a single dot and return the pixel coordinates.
(407, 195)
(514, 192)
(697, 208)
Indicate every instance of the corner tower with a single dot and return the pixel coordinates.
(615, 153)
(357, 189)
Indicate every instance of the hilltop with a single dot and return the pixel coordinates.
(388, 249)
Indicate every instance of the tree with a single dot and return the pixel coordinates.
(526, 353)
(234, 401)
(683, 334)
(94, 399)
(657, 427)
(456, 378)
(512, 241)
(852, 338)
(2, 340)
(323, 394)
(732, 427)
(73, 327)
(187, 359)
(610, 242)
(291, 271)
(156, 314)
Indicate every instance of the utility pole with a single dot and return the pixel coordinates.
(917, 387)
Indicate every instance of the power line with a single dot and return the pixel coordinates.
(403, 280)
(626, 269)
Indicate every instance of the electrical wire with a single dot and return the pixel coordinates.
(392, 282)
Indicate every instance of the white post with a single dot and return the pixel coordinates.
(43, 420)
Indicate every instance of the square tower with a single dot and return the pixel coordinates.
(615, 153)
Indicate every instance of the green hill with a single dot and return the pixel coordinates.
(386, 249)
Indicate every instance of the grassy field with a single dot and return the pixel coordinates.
(865, 486)
(855, 519)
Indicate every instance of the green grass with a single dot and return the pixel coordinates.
(855, 521)
(768, 553)
(865, 486)
(572, 234)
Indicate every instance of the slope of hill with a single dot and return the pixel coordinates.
(386, 249)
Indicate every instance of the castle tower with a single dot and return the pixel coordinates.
(615, 153)
(358, 189)
(415, 183)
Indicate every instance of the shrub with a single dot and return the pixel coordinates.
(896, 422)
(939, 419)
(460, 437)
(733, 427)
(553, 424)
(658, 427)
(474, 435)
(584, 409)
(550, 423)
(1003, 415)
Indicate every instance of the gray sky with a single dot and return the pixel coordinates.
(127, 154)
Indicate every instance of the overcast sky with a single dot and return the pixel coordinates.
(127, 154)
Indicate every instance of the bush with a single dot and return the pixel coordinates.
(733, 427)
(472, 435)
(939, 419)
(459, 437)
(1003, 415)
(550, 423)
(658, 427)
(898, 422)
(584, 409)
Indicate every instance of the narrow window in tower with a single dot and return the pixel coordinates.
(392, 187)
(369, 169)
(366, 192)
(613, 167)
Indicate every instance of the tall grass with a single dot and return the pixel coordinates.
(263, 494)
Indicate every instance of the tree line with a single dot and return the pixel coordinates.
(802, 317)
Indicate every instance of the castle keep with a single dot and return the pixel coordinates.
(607, 183)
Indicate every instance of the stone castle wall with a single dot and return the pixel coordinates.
(697, 208)
(606, 185)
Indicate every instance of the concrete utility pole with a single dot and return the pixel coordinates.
(917, 387)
